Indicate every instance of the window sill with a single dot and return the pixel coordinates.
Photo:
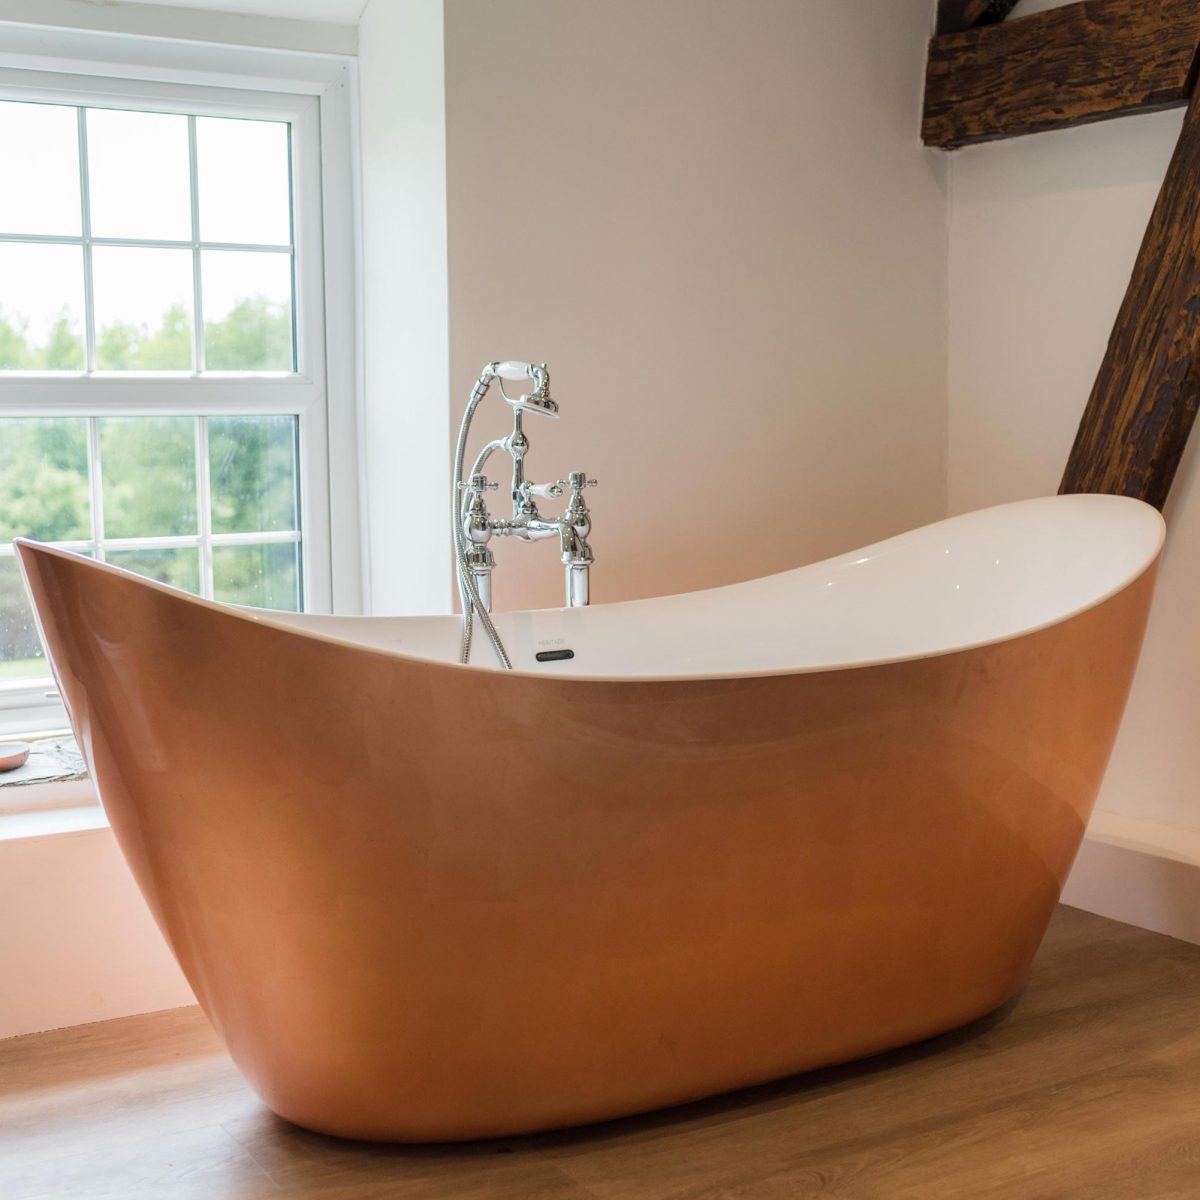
(61, 808)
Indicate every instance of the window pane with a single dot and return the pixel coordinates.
(21, 654)
(247, 311)
(41, 307)
(244, 181)
(143, 302)
(179, 568)
(252, 473)
(263, 576)
(139, 175)
(148, 469)
(44, 489)
(39, 149)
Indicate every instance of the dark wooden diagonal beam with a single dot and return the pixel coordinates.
(956, 15)
(1085, 62)
(1146, 395)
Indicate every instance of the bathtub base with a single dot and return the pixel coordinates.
(417, 1129)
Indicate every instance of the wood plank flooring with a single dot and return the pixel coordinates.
(1087, 1087)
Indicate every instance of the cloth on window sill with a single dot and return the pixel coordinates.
(53, 759)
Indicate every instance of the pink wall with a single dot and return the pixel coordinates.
(77, 943)
(717, 224)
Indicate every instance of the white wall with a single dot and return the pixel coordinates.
(716, 223)
(1043, 236)
(175, 21)
(402, 90)
(341, 11)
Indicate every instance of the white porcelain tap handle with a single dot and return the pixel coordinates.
(513, 370)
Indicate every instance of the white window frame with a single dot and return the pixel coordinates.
(315, 93)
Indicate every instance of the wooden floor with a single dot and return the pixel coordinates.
(1087, 1087)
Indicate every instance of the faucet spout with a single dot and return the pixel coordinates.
(577, 561)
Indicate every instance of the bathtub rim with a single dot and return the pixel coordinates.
(286, 622)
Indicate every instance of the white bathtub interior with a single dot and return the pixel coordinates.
(981, 577)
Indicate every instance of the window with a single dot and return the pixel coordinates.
(165, 353)
(144, 241)
(208, 504)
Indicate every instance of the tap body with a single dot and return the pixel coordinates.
(475, 526)
(527, 522)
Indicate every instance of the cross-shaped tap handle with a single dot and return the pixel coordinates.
(478, 484)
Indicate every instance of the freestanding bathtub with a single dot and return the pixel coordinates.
(742, 833)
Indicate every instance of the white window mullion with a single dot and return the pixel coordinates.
(271, 538)
(70, 239)
(167, 542)
(316, 494)
(85, 204)
(96, 479)
(197, 286)
(146, 395)
(204, 508)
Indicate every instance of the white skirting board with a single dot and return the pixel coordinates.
(1139, 872)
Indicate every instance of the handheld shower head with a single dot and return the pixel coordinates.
(537, 401)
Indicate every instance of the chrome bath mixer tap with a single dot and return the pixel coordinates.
(474, 527)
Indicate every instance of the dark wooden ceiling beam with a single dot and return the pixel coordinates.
(956, 15)
(1066, 66)
(1144, 402)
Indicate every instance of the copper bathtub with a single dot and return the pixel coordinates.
(740, 834)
